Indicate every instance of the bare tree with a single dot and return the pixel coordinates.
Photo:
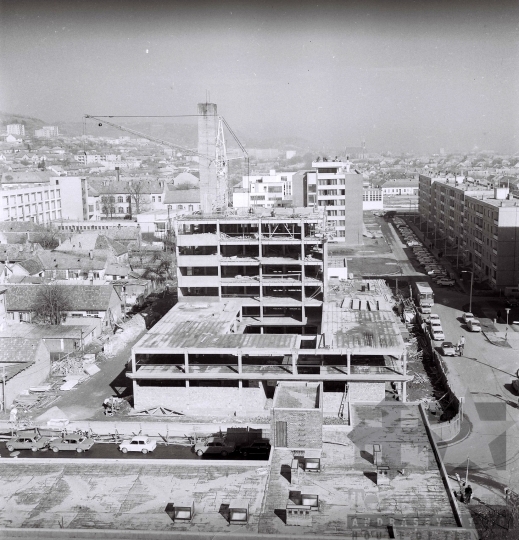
(160, 269)
(108, 205)
(48, 238)
(51, 303)
(139, 198)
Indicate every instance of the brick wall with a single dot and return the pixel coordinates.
(366, 392)
(201, 400)
(304, 428)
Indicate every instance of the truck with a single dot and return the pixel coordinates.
(423, 296)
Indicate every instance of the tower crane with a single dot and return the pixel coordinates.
(220, 158)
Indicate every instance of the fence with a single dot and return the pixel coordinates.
(445, 431)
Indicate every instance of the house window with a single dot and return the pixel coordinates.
(121, 209)
(191, 207)
(120, 199)
(159, 198)
(180, 207)
(153, 199)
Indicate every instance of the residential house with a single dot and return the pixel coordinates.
(92, 244)
(59, 339)
(85, 301)
(25, 363)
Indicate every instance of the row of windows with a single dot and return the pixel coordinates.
(12, 200)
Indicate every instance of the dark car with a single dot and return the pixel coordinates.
(32, 442)
(73, 442)
(256, 448)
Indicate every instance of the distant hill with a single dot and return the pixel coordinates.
(29, 122)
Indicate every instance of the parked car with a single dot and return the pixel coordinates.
(446, 282)
(474, 325)
(435, 317)
(141, 443)
(448, 349)
(467, 316)
(257, 448)
(437, 333)
(73, 442)
(28, 441)
(214, 445)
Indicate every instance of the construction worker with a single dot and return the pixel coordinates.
(462, 345)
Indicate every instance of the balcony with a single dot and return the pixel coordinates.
(198, 281)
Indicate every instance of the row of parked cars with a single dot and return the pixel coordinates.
(425, 258)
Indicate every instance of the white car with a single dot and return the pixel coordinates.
(437, 333)
(474, 325)
(467, 316)
(435, 317)
(446, 282)
(141, 443)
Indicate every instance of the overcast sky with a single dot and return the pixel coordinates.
(408, 75)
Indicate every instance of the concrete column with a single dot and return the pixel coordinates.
(348, 362)
(294, 361)
(187, 383)
(404, 362)
(186, 362)
(134, 364)
(240, 366)
(240, 384)
(404, 391)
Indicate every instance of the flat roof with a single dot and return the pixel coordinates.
(210, 325)
(297, 396)
(258, 212)
(347, 485)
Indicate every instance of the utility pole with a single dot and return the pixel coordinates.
(4, 397)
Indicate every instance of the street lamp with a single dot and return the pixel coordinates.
(506, 331)
(471, 285)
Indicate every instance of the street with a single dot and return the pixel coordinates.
(482, 376)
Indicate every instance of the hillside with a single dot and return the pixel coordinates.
(29, 122)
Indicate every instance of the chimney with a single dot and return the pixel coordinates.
(91, 254)
(117, 173)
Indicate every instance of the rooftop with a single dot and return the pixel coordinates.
(297, 396)
(210, 325)
(258, 212)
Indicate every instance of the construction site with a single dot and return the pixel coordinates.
(264, 329)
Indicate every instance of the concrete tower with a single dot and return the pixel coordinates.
(207, 134)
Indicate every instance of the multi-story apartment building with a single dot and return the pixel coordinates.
(266, 191)
(16, 129)
(253, 310)
(339, 192)
(37, 196)
(483, 223)
(47, 132)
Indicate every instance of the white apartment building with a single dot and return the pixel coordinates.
(47, 132)
(266, 191)
(481, 221)
(16, 129)
(39, 197)
(40, 203)
(339, 191)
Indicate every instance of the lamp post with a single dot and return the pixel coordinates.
(506, 331)
(471, 285)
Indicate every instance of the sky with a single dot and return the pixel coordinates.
(408, 75)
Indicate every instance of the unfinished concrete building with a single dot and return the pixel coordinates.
(254, 310)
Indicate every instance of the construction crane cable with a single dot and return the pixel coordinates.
(143, 135)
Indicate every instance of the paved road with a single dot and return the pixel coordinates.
(398, 247)
(483, 376)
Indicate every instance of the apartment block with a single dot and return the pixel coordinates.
(16, 129)
(340, 193)
(47, 132)
(264, 190)
(482, 222)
